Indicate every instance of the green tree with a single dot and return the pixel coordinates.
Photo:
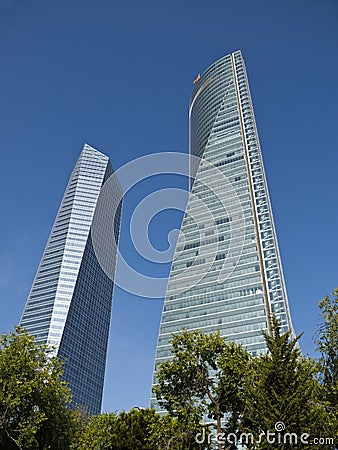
(327, 345)
(284, 394)
(169, 433)
(33, 399)
(142, 429)
(205, 377)
(96, 433)
(126, 431)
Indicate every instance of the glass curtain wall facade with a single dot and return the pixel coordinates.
(223, 134)
(69, 305)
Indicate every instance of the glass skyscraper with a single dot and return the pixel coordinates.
(69, 305)
(226, 273)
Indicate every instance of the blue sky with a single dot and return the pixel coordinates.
(118, 75)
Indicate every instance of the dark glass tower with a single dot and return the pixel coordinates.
(226, 273)
(69, 305)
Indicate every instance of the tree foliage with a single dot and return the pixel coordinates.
(327, 345)
(33, 399)
(142, 429)
(278, 392)
(208, 385)
(169, 433)
(205, 377)
(284, 392)
(110, 431)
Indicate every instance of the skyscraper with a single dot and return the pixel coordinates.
(69, 305)
(226, 273)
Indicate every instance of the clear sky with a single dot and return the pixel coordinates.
(118, 75)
